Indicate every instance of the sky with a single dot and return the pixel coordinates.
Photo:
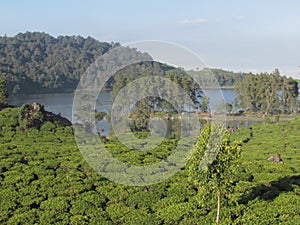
(241, 35)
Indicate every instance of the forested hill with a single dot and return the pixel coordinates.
(224, 77)
(35, 62)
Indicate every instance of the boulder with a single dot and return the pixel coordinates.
(34, 115)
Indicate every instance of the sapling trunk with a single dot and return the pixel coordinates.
(219, 208)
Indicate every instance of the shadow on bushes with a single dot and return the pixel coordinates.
(270, 192)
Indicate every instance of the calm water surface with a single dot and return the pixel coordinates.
(62, 103)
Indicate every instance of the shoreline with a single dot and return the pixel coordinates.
(106, 90)
(222, 88)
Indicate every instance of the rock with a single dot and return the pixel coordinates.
(34, 115)
(275, 159)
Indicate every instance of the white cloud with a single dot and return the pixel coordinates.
(192, 21)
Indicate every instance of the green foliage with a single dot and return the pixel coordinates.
(223, 77)
(3, 93)
(224, 107)
(205, 104)
(144, 109)
(269, 93)
(59, 204)
(45, 180)
(216, 176)
(48, 126)
(142, 114)
(218, 173)
(61, 61)
(176, 212)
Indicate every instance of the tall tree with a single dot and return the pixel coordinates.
(267, 92)
(289, 95)
(205, 104)
(214, 175)
(3, 93)
(143, 113)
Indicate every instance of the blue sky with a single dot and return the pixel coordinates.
(240, 35)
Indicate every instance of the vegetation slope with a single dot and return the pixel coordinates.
(45, 180)
(35, 62)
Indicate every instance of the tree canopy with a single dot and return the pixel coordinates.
(267, 92)
(3, 93)
(225, 78)
(35, 62)
(180, 83)
(214, 175)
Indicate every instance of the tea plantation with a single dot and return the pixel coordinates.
(45, 180)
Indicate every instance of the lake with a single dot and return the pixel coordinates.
(62, 103)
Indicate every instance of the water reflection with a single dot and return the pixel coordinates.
(62, 103)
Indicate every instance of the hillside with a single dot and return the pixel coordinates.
(226, 79)
(44, 179)
(35, 62)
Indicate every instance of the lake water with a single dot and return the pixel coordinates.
(62, 103)
(56, 103)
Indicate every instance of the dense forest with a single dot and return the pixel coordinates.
(3, 93)
(226, 79)
(270, 93)
(34, 62)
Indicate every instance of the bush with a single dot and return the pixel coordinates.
(48, 126)
(59, 204)
(81, 207)
(29, 217)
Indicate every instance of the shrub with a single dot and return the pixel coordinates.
(59, 204)
(48, 126)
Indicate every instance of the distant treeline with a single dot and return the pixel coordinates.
(36, 62)
(267, 92)
(225, 78)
